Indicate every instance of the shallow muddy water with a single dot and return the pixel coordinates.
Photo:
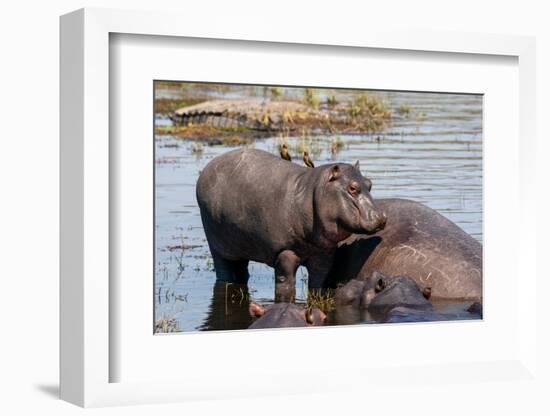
(432, 155)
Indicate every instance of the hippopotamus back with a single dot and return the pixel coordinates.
(248, 191)
(418, 242)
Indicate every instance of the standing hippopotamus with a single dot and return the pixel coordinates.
(417, 242)
(285, 315)
(256, 206)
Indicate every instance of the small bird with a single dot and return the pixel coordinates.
(284, 152)
(308, 161)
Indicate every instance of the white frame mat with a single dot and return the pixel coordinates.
(86, 357)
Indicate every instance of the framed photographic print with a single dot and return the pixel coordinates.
(265, 202)
(234, 224)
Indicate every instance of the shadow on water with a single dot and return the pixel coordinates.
(350, 259)
(228, 308)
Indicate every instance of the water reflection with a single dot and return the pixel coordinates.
(228, 308)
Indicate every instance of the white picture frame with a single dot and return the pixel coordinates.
(85, 221)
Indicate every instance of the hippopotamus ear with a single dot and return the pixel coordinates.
(368, 182)
(255, 310)
(377, 275)
(309, 315)
(314, 316)
(334, 173)
(427, 292)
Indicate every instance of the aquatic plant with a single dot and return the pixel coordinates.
(368, 113)
(403, 110)
(420, 116)
(307, 143)
(322, 299)
(311, 99)
(166, 324)
(265, 119)
(197, 148)
(336, 144)
(365, 104)
(288, 116)
(276, 93)
(180, 297)
(181, 264)
(332, 101)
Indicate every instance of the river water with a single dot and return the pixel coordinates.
(431, 154)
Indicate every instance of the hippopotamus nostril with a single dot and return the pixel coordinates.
(280, 279)
(383, 219)
(380, 220)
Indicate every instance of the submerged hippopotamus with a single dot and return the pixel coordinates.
(256, 206)
(360, 293)
(417, 242)
(389, 299)
(285, 315)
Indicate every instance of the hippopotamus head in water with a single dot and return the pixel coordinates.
(389, 299)
(380, 294)
(351, 293)
(346, 201)
(285, 315)
(383, 293)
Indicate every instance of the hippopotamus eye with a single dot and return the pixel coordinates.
(380, 286)
(354, 188)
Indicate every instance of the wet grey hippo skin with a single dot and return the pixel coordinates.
(285, 315)
(417, 242)
(400, 300)
(389, 299)
(256, 206)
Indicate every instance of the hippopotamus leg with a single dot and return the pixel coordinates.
(285, 276)
(232, 271)
(318, 268)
